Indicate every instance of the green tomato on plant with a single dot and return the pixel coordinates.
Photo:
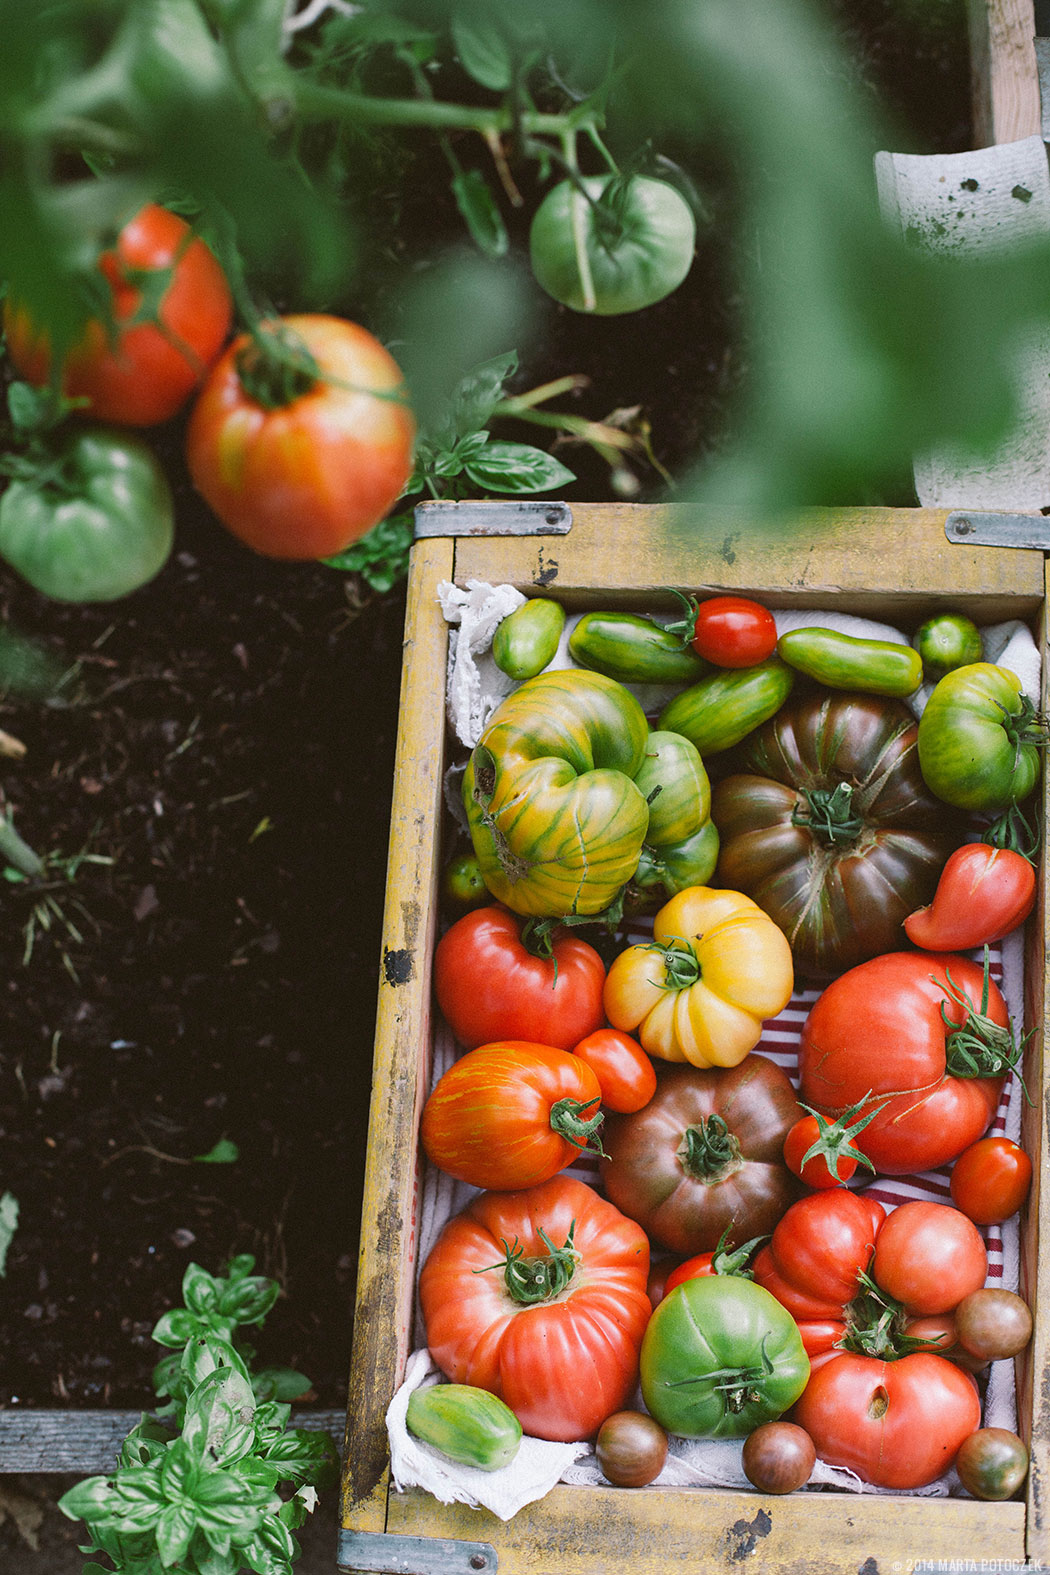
(608, 244)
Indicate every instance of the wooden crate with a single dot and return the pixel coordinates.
(897, 565)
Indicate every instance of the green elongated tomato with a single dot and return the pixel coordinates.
(609, 244)
(633, 649)
(727, 704)
(719, 1357)
(555, 815)
(95, 526)
(980, 737)
(841, 661)
(526, 640)
(466, 1424)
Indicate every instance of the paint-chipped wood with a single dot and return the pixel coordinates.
(1005, 78)
(891, 564)
(608, 1531)
(384, 1287)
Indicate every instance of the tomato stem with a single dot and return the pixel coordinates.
(569, 1121)
(540, 1278)
(830, 814)
(1013, 832)
(681, 967)
(275, 367)
(708, 1150)
(833, 1137)
(979, 1047)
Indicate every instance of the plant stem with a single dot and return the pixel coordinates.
(17, 853)
(317, 102)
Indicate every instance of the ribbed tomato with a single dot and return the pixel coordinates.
(924, 1034)
(511, 1114)
(826, 822)
(540, 1297)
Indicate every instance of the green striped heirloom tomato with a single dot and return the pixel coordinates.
(492, 982)
(633, 649)
(826, 822)
(841, 661)
(526, 640)
(94, 525)
(301, 438)
(554, 812)
(681, 842)
(716, 968)
(609, 243)
(511, 1114)
(539, 1296)
(947, 640)
(720, 1356)
(979, 738)
(171, 310)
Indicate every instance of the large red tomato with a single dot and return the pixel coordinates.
(887, 1029)
(171, 316)
(540, 1297)
(301, 440)
(896, 1424)
(490, 985)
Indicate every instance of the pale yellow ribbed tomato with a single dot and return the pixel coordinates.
(716, 969)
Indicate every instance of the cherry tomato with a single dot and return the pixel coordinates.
(462, 886)
(731, 631)
(929, 1257)
(778, 1457)
(172, 311)
(631, 1448)
(626, 1076)
(832, 1157)
(990, 1180)
(992, 1463)
(993, 1323)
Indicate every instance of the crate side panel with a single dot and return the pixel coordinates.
(882, 560)
(1004, 76)
(608, 1531)
(386, 1263)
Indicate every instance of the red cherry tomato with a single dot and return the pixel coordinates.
(734, 632)
(172, 311)
(626, 1076)
(990, 1180)
(814, 1172)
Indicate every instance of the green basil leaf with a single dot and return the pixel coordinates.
(208, 1561)
(249, 1300)
(175, 1530)
(271, 1416)
(517, 467)
(479, 392)
(167, 1372)
(219, 1425)
(200, 1290)
(176, 1327)
(279, 1383)
(483, 48)
(202, 1356)
(8, 1226)
(89, 1500)
(480, 212)
(148, 1439)
(305, 1455)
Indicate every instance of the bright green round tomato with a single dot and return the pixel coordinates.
(947, 640)
(462, 883)
(979, 738)
(97, 528)
(720, 1356)
(609, 245)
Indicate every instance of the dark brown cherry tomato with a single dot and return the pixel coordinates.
(993, 1323)
(990, 1180)
(631, 1448)
(778, 1457)
(626, 1075)
(992, 1463)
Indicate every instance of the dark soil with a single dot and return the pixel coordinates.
(224, 740)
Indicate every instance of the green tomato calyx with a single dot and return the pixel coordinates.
(739, 1387)
(275, 367)
(531, 1281)
(979, 1047)
(708, 1151)
(829, 814)
(833, 1141)
(568, 1120)
(681, 965)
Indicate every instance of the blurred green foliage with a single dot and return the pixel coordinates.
(263, 121)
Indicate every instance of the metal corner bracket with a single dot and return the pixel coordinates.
(507, 517)
(973, 528)
(389, 1553)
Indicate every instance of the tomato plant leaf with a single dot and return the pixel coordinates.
(483, 49)
(517, 467)
(480, 211)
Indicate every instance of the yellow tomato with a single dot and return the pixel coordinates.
(716, 969)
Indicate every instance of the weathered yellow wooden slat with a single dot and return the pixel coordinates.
(608, 1531)
(385, 1265)
(885, 561)
(1005, 82)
